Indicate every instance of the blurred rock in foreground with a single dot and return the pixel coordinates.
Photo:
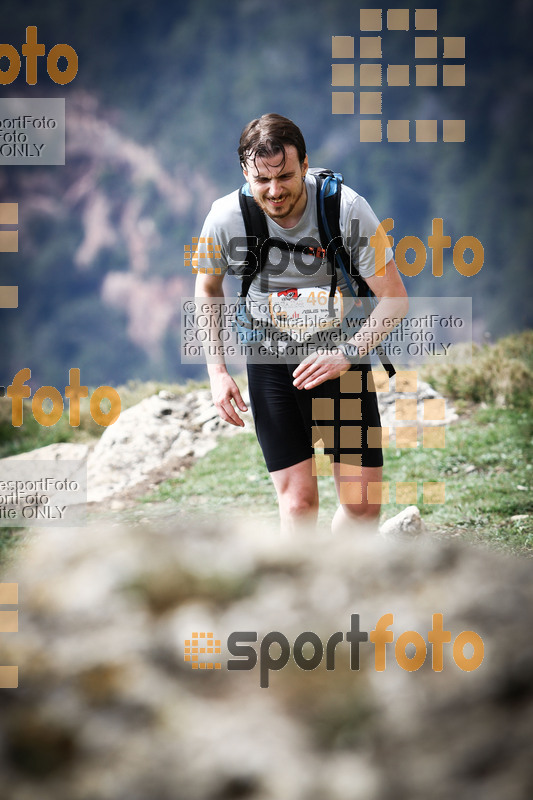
(108, 709)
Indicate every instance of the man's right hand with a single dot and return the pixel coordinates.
(224, 391)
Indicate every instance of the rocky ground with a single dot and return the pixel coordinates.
(164, 434)
(108, 707)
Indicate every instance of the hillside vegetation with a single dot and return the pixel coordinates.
(486, 465)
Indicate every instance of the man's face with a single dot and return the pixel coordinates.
(278, 188)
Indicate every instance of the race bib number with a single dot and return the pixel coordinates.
(303, 312)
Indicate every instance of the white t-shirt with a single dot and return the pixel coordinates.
(224, 226)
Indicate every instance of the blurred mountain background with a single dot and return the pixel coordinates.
(153, 120)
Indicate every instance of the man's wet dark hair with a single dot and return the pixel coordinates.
(267, 138)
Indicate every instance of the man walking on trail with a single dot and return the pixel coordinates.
(324, 394)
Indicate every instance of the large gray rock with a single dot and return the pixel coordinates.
(108, 709)
(160, 436)
(151, 441)
(154, 438)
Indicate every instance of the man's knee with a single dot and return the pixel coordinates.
(297, 490)
(301, 505)
(298, 502)
(362, 510)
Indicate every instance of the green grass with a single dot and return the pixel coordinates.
(485, 459)
(231, 478)
(499, 373)
(11, 540)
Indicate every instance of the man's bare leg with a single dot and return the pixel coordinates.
(352, 489)
(297, 491)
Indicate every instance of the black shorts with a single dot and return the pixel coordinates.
(342, 412)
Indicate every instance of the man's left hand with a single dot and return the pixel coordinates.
(317, 368)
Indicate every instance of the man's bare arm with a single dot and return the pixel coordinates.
(223, 388)
(392, 307)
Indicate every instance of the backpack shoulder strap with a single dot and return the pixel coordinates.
(254, 219)
(328, 204)
(256, 229)
(328, 214)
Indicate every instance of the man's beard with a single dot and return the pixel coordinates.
(271, 210)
